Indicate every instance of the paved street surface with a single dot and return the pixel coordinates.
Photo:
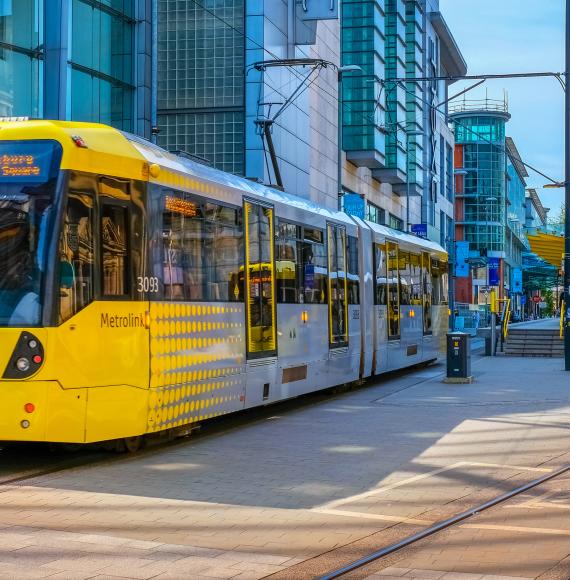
(303, 491)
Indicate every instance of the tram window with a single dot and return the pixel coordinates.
(173, 239)
(114, 250)
(416, 279)
(76, 256)
(439, 282)
(353, 271)
(287, 258)
(337, 286)
(393, 292)
(260, 279)
(380, 270)
(314, 274)
(427, 293)
(405, 278)
(202, 250)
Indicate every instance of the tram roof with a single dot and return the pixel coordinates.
(112, 152)
(175, 168)
(106, 149)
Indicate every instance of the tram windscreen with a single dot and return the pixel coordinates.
(28, 176)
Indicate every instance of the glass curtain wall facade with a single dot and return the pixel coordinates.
(363, 44)
(201, 80)
(80, 60)
(21, 52)
(101, 58)
(415, 93)
(482, 141)
(395, 93)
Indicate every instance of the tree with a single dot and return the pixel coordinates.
(548, 296)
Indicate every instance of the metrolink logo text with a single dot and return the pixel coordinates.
(117, 321)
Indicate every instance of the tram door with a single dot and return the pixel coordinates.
(260, 280)
(338, 290)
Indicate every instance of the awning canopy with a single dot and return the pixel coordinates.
(549, 247)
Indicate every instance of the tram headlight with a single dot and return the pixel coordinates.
(27, 357)
(23, 364)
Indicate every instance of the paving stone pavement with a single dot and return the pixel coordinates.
(271, 496)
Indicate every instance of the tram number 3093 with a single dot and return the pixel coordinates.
(147, 284)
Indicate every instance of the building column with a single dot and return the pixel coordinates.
(143, 68)
(56, 37)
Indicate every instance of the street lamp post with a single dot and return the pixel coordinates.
(340, 72)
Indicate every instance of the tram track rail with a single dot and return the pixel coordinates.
(392, 549)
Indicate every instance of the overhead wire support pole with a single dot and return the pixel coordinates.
(567, 201)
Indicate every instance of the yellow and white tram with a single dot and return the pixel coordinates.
(141, 292)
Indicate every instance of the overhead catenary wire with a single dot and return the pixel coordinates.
(449, 78)
(468, 129)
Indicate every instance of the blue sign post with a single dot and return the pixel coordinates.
(494, 274)
(354, 204)
(517, 280)
(461, 257)
(420, 230)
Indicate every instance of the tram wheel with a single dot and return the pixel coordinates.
(129, 444)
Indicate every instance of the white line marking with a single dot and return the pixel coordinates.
(544, 531)
(514, 467)
(335, 503)
(377, 491)
(379, 517)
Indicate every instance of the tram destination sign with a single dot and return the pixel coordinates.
(25, 161)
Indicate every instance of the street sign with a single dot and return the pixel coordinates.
(494, 274)
(461, 259)
(420, 230)
(536, 299)
(354, 204)
(517, 280)
(523, 299)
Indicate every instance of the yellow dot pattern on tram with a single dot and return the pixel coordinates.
(197, 362)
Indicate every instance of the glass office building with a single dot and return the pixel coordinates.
(80, 60)
(201, 80)
(490, 201)
(480, 143)
(21, 63)
(101, 59)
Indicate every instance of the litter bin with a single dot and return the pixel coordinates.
(459, 357)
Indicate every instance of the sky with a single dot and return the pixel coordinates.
(513, 36)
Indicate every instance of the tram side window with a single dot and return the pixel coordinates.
(427, 292)
(439, 272)
(416, 279)
(202, 250)
(393, 292)
(287, 258)
(405, 278)
(337, 285)
(114, 239)
(381, 293)
(353, 271)
(76, 256)
(314, 274)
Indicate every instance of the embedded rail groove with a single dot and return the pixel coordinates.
(440, 526)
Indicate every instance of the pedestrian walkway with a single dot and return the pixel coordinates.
(542, 324)
(300, 491)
